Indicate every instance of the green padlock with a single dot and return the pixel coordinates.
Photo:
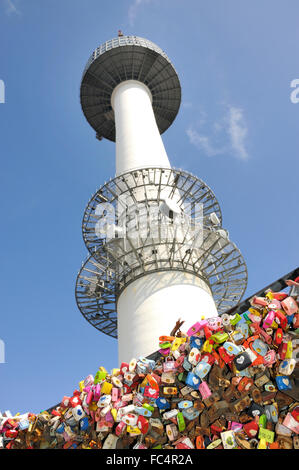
(165, 345)
(219, 337)
(148, 407)
(100, 377)
(267, 435)
(235, 319)
(263, 421)
(182, 376)
(181, 421)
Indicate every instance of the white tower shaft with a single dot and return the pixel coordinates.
(138, 141)
(150, 305)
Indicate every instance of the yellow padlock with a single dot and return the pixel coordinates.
(81, 385)
(262, 444)
(113, 412)
(144, 383)
(115, 372)
(177, 343)
(289, 352)
(269, 295)
(106, 388)
(274, 325)
(102, 369)
(93, 406)
(254, 311)
(133, 429)
(207, 346)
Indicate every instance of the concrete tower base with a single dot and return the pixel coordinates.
(150, 306)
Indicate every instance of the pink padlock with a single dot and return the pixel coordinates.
(179, 360)
(89, 397)
(89, 380)
(120, 428)
(254, 318)
(274, 305)
(260, 301)
(169, 365)
(289, 305)
(204, 390)
(269, 319)
(197, 327)
(269, 358)
(114, 394)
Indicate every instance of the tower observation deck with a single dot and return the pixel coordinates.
(157, 248)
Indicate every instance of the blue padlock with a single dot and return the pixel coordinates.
(162, 403)
(271, 413)
(185, 404)
(143, 411)
(60, 428)
(193, 380)
(196, 342)
(290, 318)
(190, 413)
(243, 327)
(259, 347)
(202, 369)
(186, 365)
(283, 382)
(232, 348)
(84, 423)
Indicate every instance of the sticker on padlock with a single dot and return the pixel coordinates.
(231, 348)
(289, 305)
(171, 431)
(259, 347)
(228, 439)
(193, 380)
(283, 383)
(194, 356)
(190, 413)
(202, 369)
(185, 404)
(287, 366)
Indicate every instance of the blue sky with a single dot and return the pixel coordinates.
(237, 129)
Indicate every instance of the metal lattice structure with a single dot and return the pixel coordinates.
(115, 263)
(128, 58)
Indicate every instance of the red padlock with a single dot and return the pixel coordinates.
(124, 368)
(278, 337)
(75, 401)
(282, 350)
(227, 358)
(251, 428)
(245, 384)
(142, 424)
(12, 433)
(281, 319)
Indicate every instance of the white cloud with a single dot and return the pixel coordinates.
(10, 7)
(203, 142)
(227, 135)
(133, 10)
(237, 131)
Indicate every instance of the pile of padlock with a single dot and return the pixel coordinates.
(229, 382)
